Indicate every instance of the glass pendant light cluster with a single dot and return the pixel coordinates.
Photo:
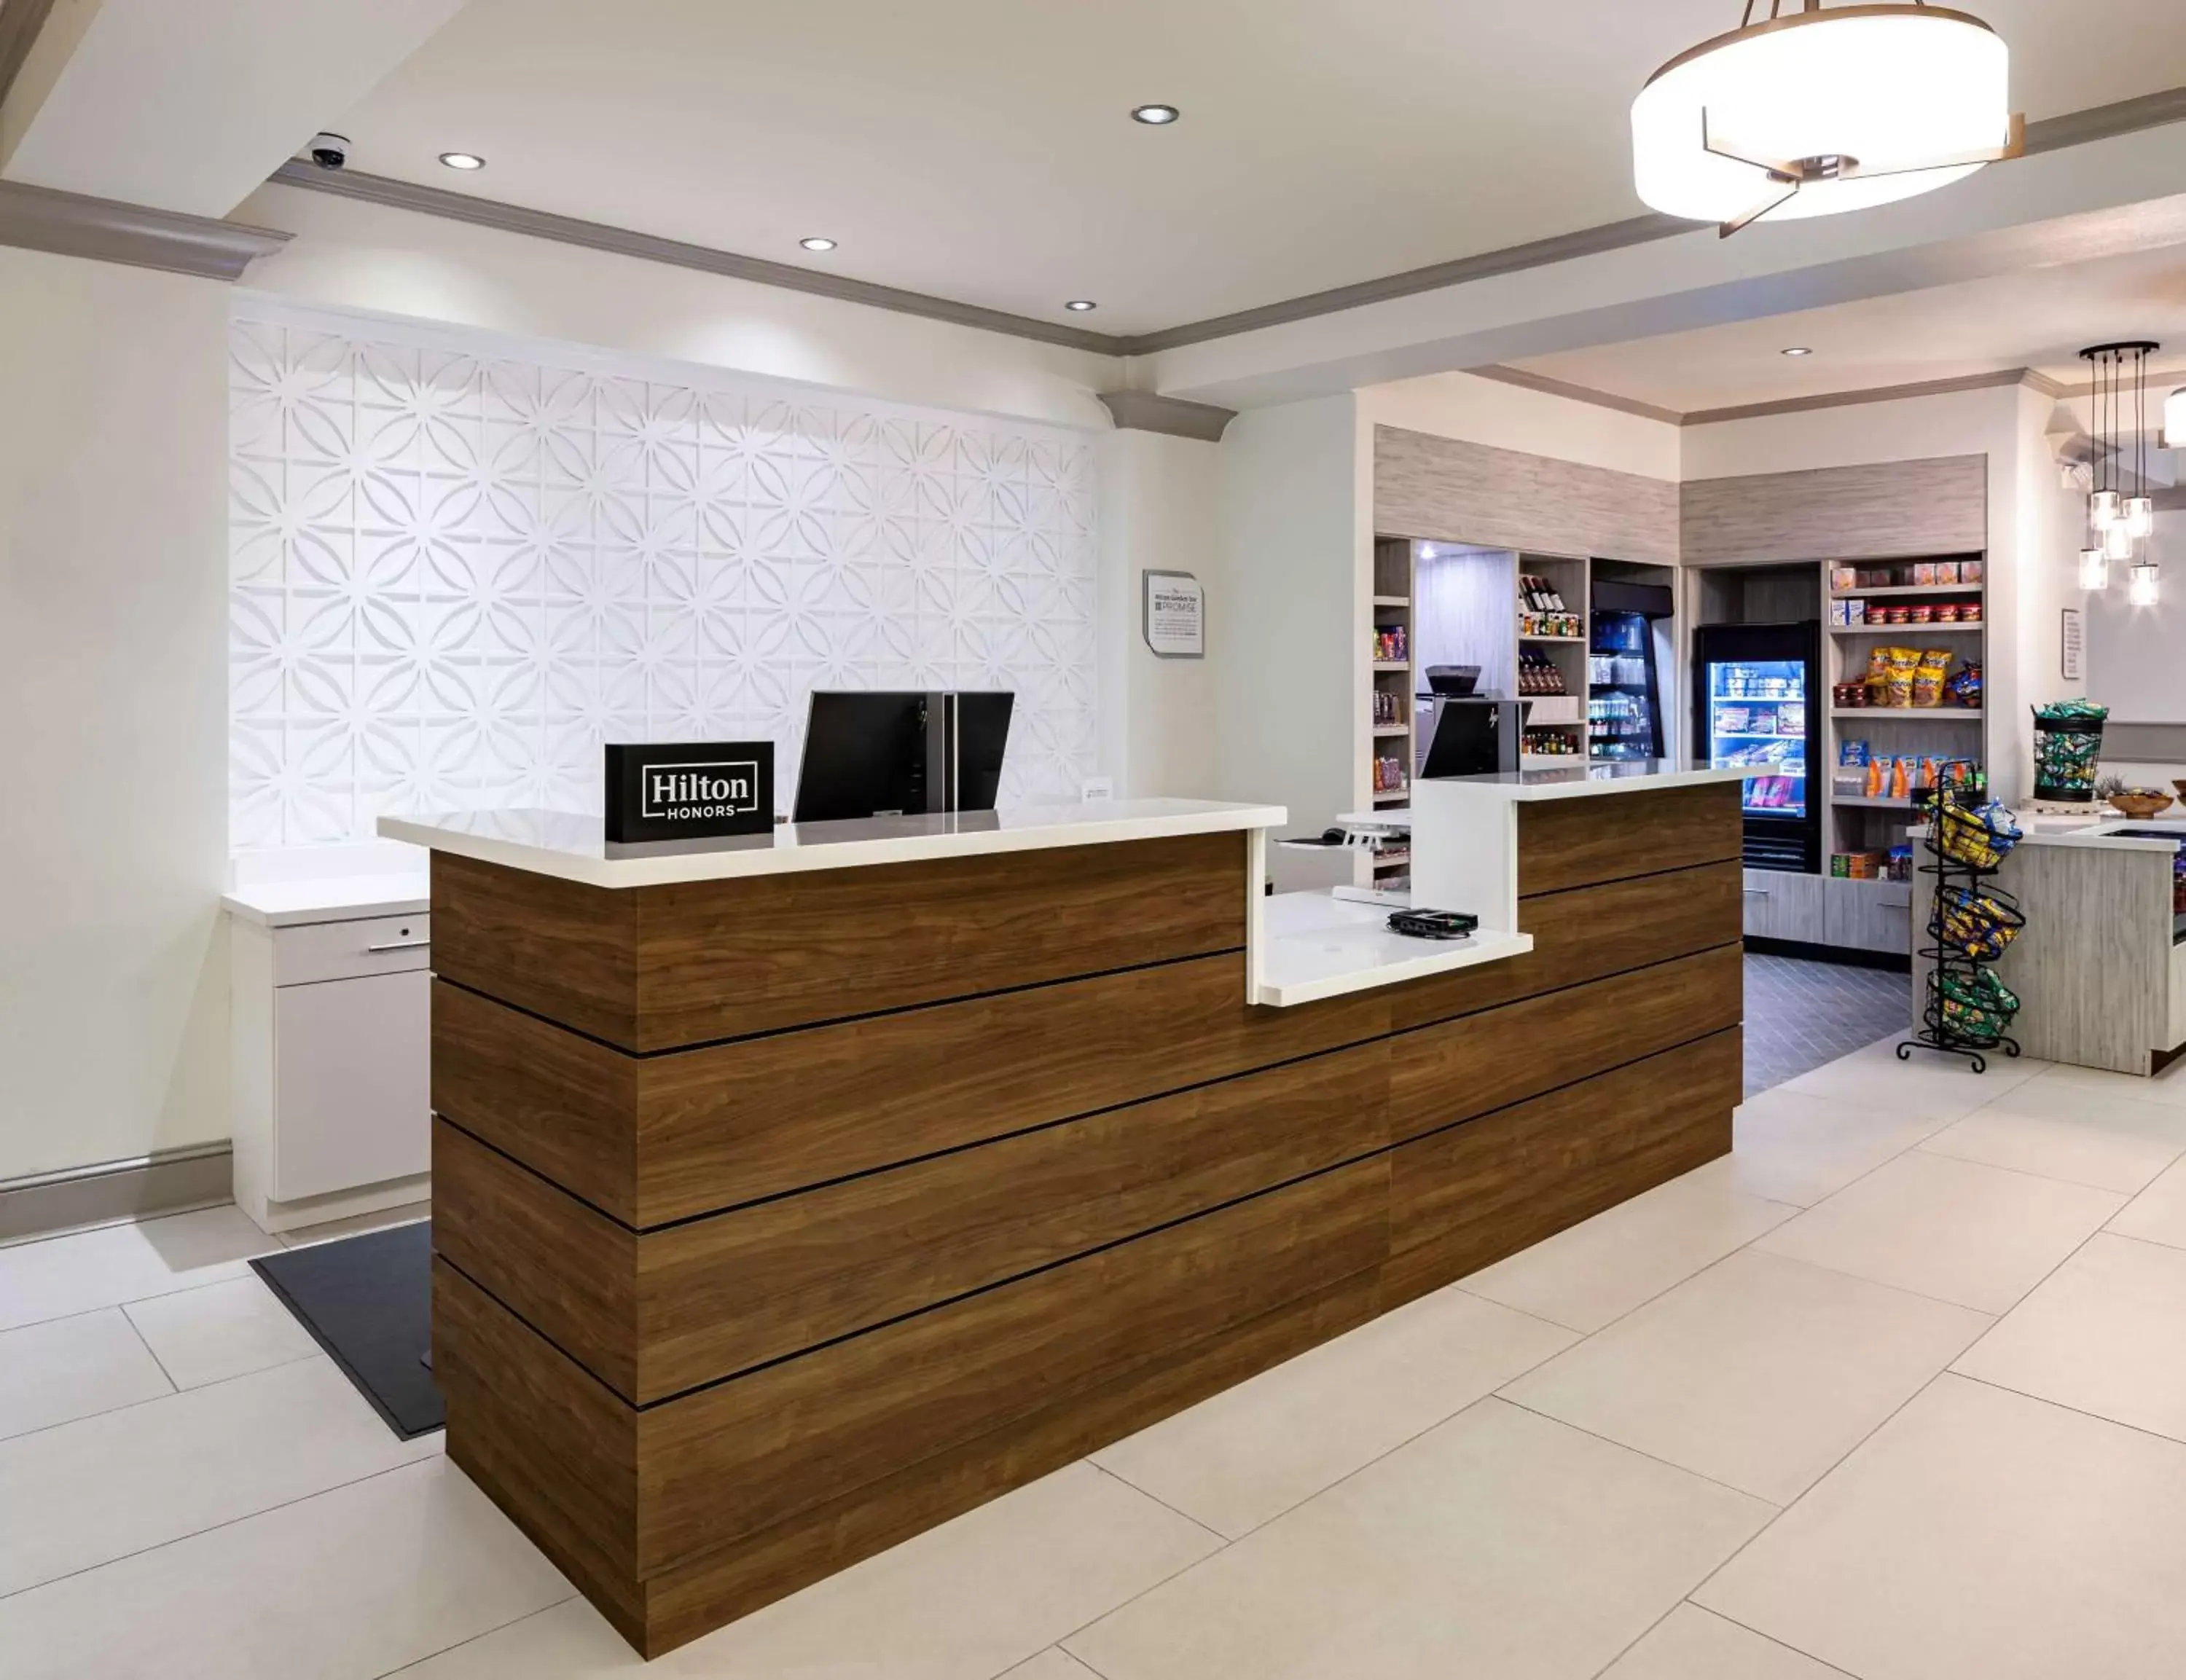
(1808, 111)
(2120, 520)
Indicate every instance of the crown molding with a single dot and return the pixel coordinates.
(1616, 236)
(1505, 375)
(1149, 412)
(20, 21)
(69, 224)
(2076, 128)
(1920, 388)
(598, 236)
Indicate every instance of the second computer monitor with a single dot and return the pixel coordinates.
(880, 752)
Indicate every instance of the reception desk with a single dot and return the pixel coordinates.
(794, 1194)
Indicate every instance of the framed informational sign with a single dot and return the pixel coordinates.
(2075, 644)
(1176, 624)
(689, 791)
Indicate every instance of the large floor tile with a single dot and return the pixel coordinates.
(2168, 1087)
(1052, 1664)
(2061, 1130)
(1944, 1087)
(965, 1601)
(1598, 1271)
(349, 1585)
(65, 1369)
(1957, 1230)
(1761, 1373)
(223, 1331)
(1980, 1534)
(2105, 1333)
(1499, 1543)
(303, 1236)
(1799, 1147)
(80, 1273)
(2158, 1213)
(1692, 1644)
(1249, 1453)
(107, 1485)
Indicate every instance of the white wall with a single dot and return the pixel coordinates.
(114, 679)
(2137, 655)
(1297, 553)
(356, 256)
(1160, 510)
(461, 563)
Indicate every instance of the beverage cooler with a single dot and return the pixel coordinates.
(1624, 708)
(1756, 709)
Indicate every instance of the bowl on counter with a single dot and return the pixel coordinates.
(2141, 802)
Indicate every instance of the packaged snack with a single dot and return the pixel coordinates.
(1969, 611)
(1843, 578)
(1856, 612)
(1901, 777)
(1965, 686)
(1878, 777)
(1733, 720)
(1931, 772)
(1852, 752)
(1969, 571)
(1946, 612)
(1946, 571)
(1922, 614)
(1928, 675)
(1924, 575)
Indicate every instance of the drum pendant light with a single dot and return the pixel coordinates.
(1811, 112)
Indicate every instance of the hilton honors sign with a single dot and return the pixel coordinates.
(689, 791)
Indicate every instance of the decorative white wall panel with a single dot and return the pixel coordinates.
(459, 566)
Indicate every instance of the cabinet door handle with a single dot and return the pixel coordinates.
(1757, 891)
(402, 945)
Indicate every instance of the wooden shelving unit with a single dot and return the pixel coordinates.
(1390, 682)
(1857, 822)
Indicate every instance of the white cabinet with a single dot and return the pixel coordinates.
(1781, 905)
(1870, 915)
(331, 1036)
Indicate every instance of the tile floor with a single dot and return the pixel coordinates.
(1800, 1015)
(1897, 1390)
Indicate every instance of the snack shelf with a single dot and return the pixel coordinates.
(1866, 802)
(1972, 715)
(1959, 627)
(1929, 589)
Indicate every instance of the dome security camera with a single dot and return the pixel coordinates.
(330, 151)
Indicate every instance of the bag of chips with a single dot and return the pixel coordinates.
(1964, 687)
(1934, 665)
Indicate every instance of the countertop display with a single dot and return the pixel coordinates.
(1318, 947)
(573, 847)
(1583, 781)
(345, 898)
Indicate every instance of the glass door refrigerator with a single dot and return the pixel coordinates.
(1624, 710)
(1755, 709)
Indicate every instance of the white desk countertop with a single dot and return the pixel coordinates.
(1314, 946)
(1584, 781)
(572, 847)
(347, 897)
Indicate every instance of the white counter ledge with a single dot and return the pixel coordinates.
(1583, 781)
(573, 847)
(348, 898)
(1313, 946)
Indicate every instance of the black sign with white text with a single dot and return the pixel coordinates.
(689, 791)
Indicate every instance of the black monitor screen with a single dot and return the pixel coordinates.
(874, 752)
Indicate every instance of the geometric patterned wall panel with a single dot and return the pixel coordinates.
(460, 566)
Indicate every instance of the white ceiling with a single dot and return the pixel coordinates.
(2036, 318)
(980, 149)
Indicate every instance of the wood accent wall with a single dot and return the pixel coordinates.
(1442, 488)
(718, 1313)
(1887, 509)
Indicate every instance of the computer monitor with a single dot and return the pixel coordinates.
(886, 752)
(1472, 735)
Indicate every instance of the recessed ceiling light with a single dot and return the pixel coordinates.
(1079, 305)
(1798, 350)
(463, 160)
(1155, 116)
(817, 242)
